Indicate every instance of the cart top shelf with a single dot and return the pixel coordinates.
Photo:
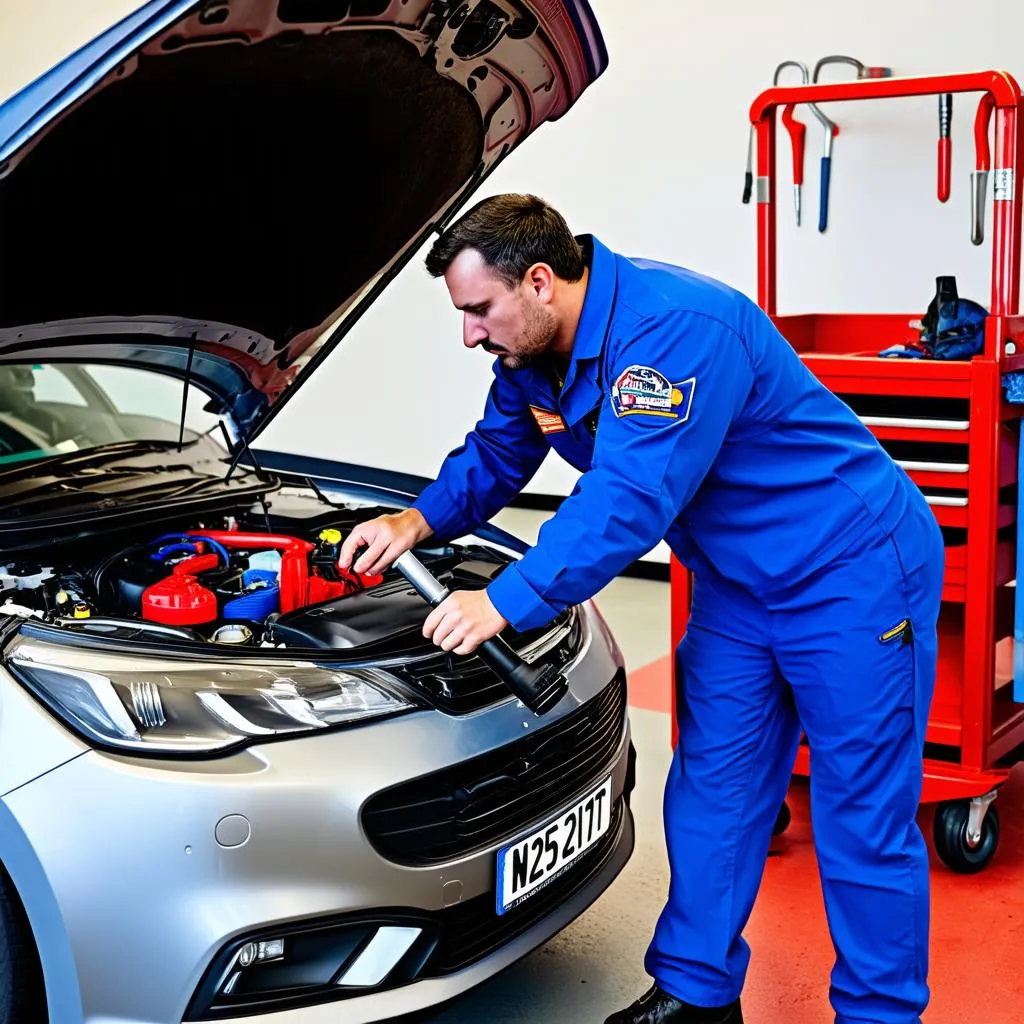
(1001, 96)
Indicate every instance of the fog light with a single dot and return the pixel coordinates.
(259, 952)
(313, 962)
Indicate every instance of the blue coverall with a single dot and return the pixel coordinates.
(817, 584)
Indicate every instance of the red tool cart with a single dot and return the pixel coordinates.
(950, 425)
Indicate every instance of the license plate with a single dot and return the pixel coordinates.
(533, 862)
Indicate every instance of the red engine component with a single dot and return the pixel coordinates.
(298, 587)
(294, 579)
(179, 600)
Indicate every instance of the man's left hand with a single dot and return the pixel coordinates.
(463, 621)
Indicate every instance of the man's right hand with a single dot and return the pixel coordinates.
(385, 539)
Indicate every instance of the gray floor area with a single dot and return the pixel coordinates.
(595, 965)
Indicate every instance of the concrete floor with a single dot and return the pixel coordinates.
(595, 966)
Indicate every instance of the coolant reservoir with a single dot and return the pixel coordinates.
(179, 601)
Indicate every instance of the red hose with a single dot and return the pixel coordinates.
(294, 579)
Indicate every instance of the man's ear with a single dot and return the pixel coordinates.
(540, 278)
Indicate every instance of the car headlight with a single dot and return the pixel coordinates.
(169, 706)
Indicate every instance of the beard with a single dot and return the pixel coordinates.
(539, 330)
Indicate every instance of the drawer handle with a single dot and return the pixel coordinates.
(933, 467)
(896, 421)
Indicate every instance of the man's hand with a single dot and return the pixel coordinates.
(385, 539)
(463, 621)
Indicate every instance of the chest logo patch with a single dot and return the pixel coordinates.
(549, 422)
(642, 390)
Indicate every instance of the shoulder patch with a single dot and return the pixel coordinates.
(642, 390)
(549, 422)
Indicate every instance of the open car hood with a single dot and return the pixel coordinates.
(219, 188)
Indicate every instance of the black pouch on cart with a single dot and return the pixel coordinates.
(952, 328)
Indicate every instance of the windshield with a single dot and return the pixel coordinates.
(53, 408)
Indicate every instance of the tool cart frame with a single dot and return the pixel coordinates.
(956, 412)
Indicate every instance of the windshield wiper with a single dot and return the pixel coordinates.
(85, 457)
(61, 493)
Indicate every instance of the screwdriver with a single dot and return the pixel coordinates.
(945, 145)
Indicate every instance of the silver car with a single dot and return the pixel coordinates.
(237, 783)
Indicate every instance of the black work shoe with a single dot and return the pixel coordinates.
(658, 1007)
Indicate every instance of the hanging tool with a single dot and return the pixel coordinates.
(945, 144)
(748, 184)
(797, 130)
(832, 129)
(983, 164)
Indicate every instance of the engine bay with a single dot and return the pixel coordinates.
(264, 577)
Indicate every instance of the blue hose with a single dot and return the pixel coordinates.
(182, 538)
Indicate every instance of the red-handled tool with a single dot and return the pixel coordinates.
(945, 145)
(983, 164)
(797, 131)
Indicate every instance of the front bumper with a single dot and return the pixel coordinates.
(154, 866)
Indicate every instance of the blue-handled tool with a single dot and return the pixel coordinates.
(831, 131)
(826, 176)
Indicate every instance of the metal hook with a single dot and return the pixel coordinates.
(862, 71)
(831, 129)
(792, 64)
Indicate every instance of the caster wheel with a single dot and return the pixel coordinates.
(782, 821)
(950, 834)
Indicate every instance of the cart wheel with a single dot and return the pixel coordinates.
(782, 821)
(951, 843)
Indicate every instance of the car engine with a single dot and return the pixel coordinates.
(249, 579)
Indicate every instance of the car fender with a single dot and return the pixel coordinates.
(63, 996)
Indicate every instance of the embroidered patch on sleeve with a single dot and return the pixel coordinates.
(642, 390)
(549, 422)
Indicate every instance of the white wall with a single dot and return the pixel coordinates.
(652, 160)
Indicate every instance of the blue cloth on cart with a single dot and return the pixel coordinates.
(959, 332)
(1013, 387)
(952, 328)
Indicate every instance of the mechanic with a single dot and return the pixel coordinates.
(817, 568)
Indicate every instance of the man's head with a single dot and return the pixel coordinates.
(515, 270)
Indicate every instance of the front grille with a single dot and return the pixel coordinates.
(460, 685)
(471, 930)
(482, 801)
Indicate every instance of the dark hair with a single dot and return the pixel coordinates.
(511, 232)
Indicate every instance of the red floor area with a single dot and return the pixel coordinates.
(977, 921)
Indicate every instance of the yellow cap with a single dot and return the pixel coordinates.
(331, 536)
(82, 611)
